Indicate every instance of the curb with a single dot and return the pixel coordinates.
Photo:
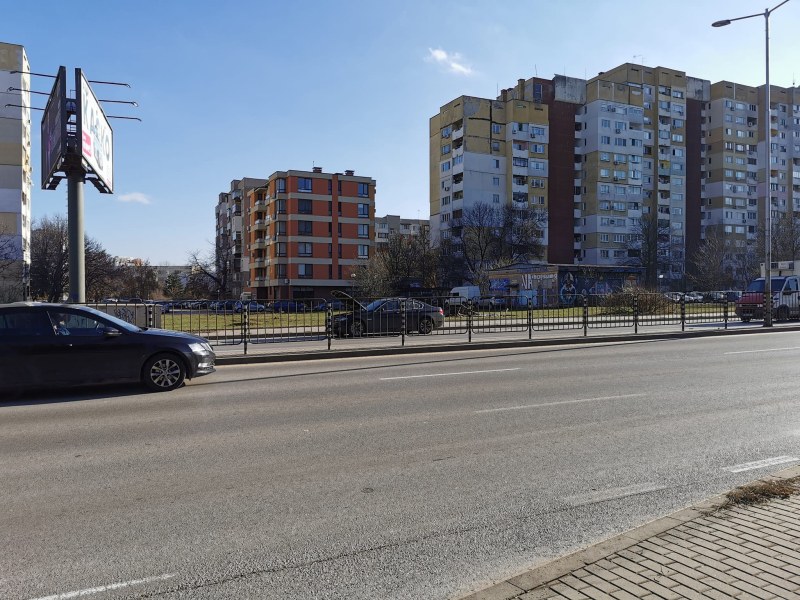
(494, 345)
(551, 571)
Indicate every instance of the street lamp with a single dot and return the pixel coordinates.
(767, 161)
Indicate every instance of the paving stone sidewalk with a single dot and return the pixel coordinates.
(746, 551)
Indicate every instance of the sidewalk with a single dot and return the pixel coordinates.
(706, 551)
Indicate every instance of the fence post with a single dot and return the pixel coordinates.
(402, 322)
(246, 325)
(585, 315)
(683, 313)
(636, 313)
(469, 320)
(530, 319)
(725, 313)
(329, 325)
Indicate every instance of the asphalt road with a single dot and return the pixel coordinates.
(415, 476)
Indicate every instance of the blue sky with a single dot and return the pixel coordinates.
(247, 88)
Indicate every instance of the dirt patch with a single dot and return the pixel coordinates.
(761, 492)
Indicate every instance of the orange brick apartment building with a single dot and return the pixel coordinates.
(306, 232)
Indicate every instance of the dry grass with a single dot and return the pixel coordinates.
(761, 492)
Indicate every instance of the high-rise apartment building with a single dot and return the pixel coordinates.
(229, 244)
(15, 173)
(307, 231)
(636, 165)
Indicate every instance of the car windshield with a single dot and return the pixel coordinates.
(758, 284)
(375, 304)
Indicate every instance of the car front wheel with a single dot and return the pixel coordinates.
(163, 372)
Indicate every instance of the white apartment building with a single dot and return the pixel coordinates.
(15, 173)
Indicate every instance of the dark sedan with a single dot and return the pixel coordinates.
(387, 316)
(57, 345)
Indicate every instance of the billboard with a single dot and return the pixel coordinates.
(95, 138)
(54, 129)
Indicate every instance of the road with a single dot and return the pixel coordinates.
(414, 476)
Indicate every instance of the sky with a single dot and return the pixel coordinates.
(245, 88)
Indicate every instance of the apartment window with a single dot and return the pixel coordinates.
(495, 146)
(605, 123)
(304, 228)
(280, 185)
(339, 250)
(603, 253)
(620, 142)
(636, 143)
(605, 139)
(496, 181)
(603, 237)
(605, 173)
(445, 166)
(458, 159)
(363, 230)
(496, 198)
(363, 190)
(305, 271)
(605, 188)
(330, 250)
(537, 148)
(280, 206)
(304, 249)
(303, 184)
(520, 162)
(446, 149)
(363, 210)
(304, 206)
(330, 207)
(280, 249)
(280, 271)
(363, 251)
(495, 127)
(445, 200)
(605, 156)
(339, 229)
(330, 187)
(537, 131)
(280, 227)
(677, 137)
(496, 163)
(619, 237)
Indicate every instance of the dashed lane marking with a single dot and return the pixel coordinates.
(106, 588)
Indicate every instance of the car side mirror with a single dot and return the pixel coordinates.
(110, 332)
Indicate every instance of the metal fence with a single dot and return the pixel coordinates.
(334, 322)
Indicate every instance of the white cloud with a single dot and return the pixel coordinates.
(453, 62)
(137, 197)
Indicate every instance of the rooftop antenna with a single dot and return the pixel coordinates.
(535, 70)
(641, 59)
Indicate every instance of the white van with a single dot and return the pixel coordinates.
(459, 295)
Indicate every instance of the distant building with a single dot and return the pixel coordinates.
(306, 233)
(229, 244)
(394, 224)
(15, 173)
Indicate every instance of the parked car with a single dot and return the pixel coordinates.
(386, 316)
(253, 306)
(228, 306)
(674, 296)
(288, 306)
(57, 345)
(695, 297)
(335, 305)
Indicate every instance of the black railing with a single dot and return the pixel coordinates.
(335, 322)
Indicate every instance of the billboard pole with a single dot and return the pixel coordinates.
(75, 237)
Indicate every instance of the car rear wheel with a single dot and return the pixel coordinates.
(357, 328)
(425, 326)
(163, 372)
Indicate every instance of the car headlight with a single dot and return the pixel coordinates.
(201, 348)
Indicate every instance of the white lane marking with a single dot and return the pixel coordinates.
(767, 462)
(106, 588)
(447, 374)
(525, 406)
(614, 493)
(765, 350)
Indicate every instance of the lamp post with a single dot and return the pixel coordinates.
(767, 162)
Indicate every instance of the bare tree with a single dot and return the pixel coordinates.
(50, 262)
(650, 247)
(216, 267)
(711, 266)
(49, 258)
(137, 280)
(496, 237)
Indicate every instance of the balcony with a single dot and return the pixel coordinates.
(259, 243)
(260, 281)
(259, 263)
(260, 225)
(458, 133)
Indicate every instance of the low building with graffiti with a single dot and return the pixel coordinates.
(542, 284)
